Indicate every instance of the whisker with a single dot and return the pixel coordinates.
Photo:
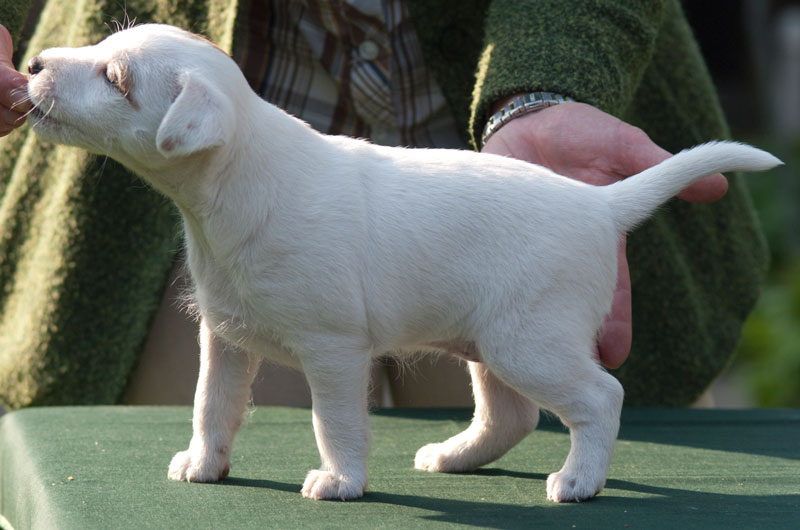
(52, 104)
(101, 170)
(45, 114)
(121, 25)
(117, 26)
(125, 23)
(25, 99)
(25, 115)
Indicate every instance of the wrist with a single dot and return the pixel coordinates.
(519, 105)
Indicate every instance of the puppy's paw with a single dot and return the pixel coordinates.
(572, 487)
(321, 485)
(187, 466)
(445, 458)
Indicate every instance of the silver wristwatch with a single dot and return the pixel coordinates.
(518, 106)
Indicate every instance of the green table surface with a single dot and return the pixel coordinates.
(106, 468)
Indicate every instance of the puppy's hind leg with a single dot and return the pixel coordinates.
(339, 379)
(502, 418)
(220, 401)
(554, 367)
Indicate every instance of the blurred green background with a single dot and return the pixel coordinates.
(753, 52)
(767, 363)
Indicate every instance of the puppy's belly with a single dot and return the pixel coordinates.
(465, 350)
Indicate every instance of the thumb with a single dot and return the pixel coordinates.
(10, 75)
(12, 94)
(638, 152)
(6, 47)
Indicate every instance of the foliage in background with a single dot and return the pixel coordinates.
(769, 353)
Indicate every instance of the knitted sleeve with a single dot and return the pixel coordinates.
(12, 16)
(593, 50)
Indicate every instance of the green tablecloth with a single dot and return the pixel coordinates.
(106, 468)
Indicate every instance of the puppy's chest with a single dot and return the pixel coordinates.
(238, 308)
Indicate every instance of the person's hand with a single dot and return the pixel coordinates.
(14, 100)
(581, 142)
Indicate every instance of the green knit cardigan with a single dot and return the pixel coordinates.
(85, 247)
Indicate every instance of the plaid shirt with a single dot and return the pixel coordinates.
(352, 67)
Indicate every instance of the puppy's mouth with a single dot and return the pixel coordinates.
(40, 116)
(42, 109)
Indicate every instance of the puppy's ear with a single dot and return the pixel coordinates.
(201, 117)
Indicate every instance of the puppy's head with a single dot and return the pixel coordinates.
(142, 96)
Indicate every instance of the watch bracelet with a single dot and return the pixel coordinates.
(519, 106)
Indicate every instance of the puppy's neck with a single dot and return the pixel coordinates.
(225, 194)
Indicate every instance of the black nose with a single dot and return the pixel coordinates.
(35, 65)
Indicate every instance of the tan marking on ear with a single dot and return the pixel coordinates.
(169, 144)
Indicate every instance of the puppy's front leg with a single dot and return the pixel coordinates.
(339, 381)
(220, 401)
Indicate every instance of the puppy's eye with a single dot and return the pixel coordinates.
(118, 76)
(112, 76)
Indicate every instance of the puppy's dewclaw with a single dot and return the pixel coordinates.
(324, 252)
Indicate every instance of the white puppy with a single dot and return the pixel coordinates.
(325, 252)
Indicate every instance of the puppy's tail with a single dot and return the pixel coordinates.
(634, 199)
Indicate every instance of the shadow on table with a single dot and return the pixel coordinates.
(641, 506)
(768, 432)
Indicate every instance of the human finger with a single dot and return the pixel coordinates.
(616, 336)
(6, 47)
(633, 151)
(638, 152)
(708, 189)
(12, 118)
(13, 91)
(5, 130)
(13, 94)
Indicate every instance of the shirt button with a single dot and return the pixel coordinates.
(368, 50)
